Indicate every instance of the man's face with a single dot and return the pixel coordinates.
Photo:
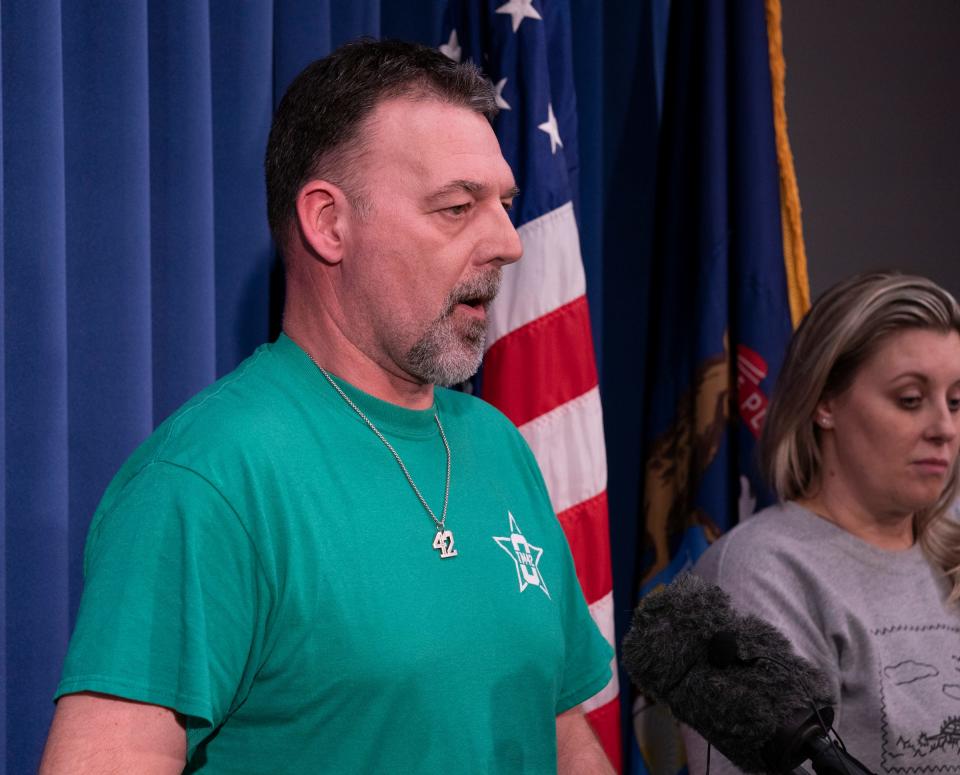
(423, 261)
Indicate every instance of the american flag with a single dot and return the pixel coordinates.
(539, 368)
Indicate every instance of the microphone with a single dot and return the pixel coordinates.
(735, 679)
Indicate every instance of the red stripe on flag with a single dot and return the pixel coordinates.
(587, 530)
(542, 364)
(605, 721)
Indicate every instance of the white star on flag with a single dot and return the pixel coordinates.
(550, 127)
(452, 48)
(519, 10)
(501, 102)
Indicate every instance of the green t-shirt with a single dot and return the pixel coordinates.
(261, 565)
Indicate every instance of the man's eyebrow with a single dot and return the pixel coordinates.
(456, 187)
(466, 186)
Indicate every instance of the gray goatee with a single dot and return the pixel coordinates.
(448, 354)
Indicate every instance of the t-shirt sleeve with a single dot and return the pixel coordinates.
(587, 667)
(173, 599)
(589, 657)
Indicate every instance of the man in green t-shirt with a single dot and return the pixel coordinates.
(272, 583)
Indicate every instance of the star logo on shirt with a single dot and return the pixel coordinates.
(525, 556)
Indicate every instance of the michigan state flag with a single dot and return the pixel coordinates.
(725, 208)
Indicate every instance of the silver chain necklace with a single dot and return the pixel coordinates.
(443, 540)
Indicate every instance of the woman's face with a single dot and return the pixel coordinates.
(890, 440)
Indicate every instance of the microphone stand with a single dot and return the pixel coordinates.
(829, 759)
(808, 741)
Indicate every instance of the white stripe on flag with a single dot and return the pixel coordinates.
(568, 444)
(549, 275)
(602, 613)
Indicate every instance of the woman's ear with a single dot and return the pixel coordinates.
(823, 415)
(321, 217)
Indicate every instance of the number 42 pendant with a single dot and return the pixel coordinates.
(443, 541)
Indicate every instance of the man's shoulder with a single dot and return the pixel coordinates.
(251, 406)
(486, 426)
(224, 434)
(229, 404)
(470, 408)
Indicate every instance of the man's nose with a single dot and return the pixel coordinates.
(505, 246)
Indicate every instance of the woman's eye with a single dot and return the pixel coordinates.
(954, 404)
(910, 402)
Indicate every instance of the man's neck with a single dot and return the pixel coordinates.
(342, 358)
(319, 321)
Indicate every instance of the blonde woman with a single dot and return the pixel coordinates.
(859, 565)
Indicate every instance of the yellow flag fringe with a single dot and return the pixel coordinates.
(794, 253)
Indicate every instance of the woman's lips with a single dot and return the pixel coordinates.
(932, 465)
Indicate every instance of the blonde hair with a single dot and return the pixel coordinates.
(841, 331)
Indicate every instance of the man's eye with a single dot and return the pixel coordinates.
(457, 209)
(508, 206)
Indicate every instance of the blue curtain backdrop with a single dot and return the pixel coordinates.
(136, 265)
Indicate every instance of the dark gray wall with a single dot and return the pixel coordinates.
(873, 106)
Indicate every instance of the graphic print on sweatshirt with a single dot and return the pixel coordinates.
(919, 699)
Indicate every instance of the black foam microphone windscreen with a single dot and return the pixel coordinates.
(733, 678)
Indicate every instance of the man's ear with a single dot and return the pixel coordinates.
(322, 208)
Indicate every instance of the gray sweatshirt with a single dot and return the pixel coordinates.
(876, 621)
